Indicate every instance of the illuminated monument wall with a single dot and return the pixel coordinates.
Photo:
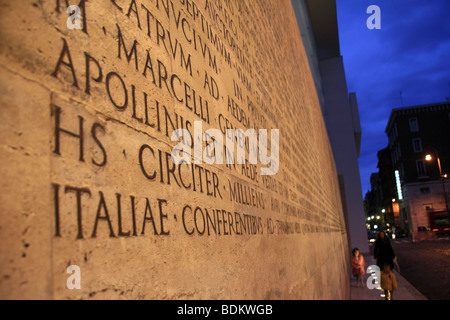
(87, 179)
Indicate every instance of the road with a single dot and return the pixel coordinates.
(426, 265)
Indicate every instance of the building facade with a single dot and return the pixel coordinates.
(419, 142)
(320, 36)
(381, 203)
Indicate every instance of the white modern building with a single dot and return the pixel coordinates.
(319, 30)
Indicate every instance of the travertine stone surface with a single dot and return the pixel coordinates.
(86, 117)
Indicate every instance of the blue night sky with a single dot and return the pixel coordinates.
(409, 54)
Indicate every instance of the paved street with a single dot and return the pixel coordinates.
(426, 265)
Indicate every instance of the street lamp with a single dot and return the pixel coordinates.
(443, 176)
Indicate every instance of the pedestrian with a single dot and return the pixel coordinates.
(388, 281)
(358, 265)
(383, 252)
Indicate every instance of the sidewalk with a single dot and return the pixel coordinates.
(405, 290)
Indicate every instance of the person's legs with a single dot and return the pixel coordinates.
(388, 294)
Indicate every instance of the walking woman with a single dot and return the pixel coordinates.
(383, 252)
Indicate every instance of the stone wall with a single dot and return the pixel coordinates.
(89, 101)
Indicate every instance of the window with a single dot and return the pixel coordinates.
(428, 206)
(393, 135)
(425, 190)
(399, 151)
(396, 153)
(401, 170)
(417, 145)
(413, 125)
(421, 171)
